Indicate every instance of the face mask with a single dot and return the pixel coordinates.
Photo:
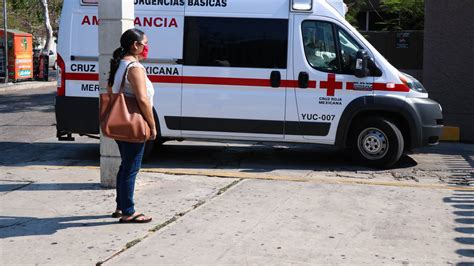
(144, 54)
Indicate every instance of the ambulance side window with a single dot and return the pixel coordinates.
(320, 46)
(348, 48)
(236, 42)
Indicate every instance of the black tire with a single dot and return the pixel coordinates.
(376, 142)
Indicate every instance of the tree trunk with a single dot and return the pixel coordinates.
(47, 23)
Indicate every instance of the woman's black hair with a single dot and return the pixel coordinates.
(128, 38)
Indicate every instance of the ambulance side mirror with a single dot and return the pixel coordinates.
(361, 64)
(374, 70)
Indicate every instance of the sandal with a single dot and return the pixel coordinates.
(117, 214)
(135, 220)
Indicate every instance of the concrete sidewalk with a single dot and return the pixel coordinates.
(237, 204)
(60, 215)
(275, 223)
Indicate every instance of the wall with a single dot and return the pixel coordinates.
(404, 49)
(449, 61)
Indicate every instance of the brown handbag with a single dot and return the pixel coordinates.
(121, 118)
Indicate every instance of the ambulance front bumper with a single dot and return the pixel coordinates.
(77, 115)
(431, 119)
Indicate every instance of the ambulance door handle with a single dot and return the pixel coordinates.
(303, 80)
(275, 79)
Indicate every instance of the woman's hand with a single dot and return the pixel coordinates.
(153, 134)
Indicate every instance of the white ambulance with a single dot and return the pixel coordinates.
(245, 70)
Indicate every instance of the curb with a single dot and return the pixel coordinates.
(451, 134)
(222, 173)
(12, 87)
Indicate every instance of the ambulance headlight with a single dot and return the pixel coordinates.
(412, 83)
(418, 86)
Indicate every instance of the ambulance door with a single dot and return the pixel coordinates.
(164, 26)
(324, 62)
(233, 78)
(79, 52)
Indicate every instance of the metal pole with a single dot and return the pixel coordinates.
(367, 20)
(5, 39)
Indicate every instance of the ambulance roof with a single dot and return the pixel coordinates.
(223, 8)
(244, 8)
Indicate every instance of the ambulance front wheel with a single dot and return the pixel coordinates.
(377, 142)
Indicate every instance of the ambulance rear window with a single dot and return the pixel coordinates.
(236, 42)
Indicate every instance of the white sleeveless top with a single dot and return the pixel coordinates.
(128, 90)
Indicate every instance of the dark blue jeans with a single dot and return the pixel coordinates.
(132, 155)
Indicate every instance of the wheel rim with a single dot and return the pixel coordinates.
(373, 143)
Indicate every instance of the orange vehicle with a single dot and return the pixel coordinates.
(20, 55)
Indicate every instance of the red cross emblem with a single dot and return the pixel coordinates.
(331, 85)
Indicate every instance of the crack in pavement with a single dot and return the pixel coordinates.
(17, 188)
(172, 220)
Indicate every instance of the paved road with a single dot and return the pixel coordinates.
(26, 116)
(27, 135)
(218, 203)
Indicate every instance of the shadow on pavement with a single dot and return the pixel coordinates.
(50, 154)
(258, 158)
(13, 226)
(462, 200)
(50, 187)
(248, 158)
(16, 103)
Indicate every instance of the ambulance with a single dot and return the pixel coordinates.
(281, 71)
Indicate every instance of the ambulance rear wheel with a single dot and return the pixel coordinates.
(377, 142)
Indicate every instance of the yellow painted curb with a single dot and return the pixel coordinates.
(259, 176)
(320, 180)
(450, 134)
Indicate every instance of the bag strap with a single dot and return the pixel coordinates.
(109, 89)
(122, 86)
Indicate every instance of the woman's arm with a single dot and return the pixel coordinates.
(136, 77)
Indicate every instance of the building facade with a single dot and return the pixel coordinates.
(449, 61)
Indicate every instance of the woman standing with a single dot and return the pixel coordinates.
(126, 61)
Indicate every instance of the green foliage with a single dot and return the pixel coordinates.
(354, 9)
(27, 16)
(404, 14)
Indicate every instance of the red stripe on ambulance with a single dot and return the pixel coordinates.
(331, 85)
(391, 87)
(82, 76)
